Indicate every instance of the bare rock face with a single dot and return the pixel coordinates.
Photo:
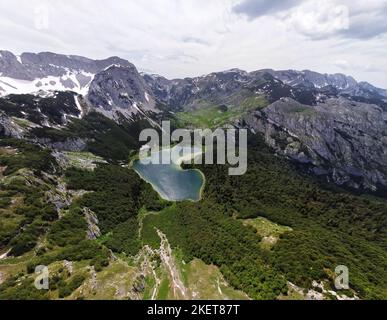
(312, 79)
(70, 144)
(30, 66)
(120, 90)
(93, 231)
(345, 84)
(9, 128)
(190, 92)
(343, 139)
(11, 67)
(112, 86)
(59, 198)
(233, 86)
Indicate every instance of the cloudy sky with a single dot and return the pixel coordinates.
(178, 38)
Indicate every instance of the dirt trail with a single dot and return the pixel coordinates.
(146, 267)
(148, 264)
(179, 290)
(5, 254)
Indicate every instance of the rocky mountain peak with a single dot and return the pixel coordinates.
(32, 72)
(112, 86)
(120, 89)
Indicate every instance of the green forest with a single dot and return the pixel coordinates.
(329, 226)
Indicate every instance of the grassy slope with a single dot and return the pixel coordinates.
(215, 116)
(269, 231)
(206, 282)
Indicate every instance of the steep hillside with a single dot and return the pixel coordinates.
(94, 225)
(341, 139)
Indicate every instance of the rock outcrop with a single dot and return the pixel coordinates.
(93, 231)
(9, 128)
(120, 90)
(342, 139)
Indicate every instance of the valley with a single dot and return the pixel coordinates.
(158, 254)
(313, 196)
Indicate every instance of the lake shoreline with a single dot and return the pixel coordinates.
(176, 166)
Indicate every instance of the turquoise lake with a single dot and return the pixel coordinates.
(170, 181)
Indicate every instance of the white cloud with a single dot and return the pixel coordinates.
(319, 19)
(179, 38)
(353, 20)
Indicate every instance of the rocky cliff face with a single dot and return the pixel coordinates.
(192, 93)
(31, 73)
(345, 85)
(307, 87)
(330, 123)
(120, 90)
(343, 139)
(31, 66)
(9, 128)
(313, 79)
(113, 86)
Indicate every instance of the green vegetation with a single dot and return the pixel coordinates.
(266, 228)
(26, 240)
(149, 286)
(201, 230)
(215, 116)
(118, 194)
(23, 123)
(269, 231)
(164, 289)
(5, 202)
(124, 237)
(330, 226)
(69, 230)
(84, 250)
(207, 282)
(104, 137)
(28, 156)
(221, 238)
(25, 215)
(253, 103)
(15, 289)
(83, 160)
(68, 287)
(113, 282)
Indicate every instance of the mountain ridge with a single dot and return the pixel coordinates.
(27, 59)
(325, 112)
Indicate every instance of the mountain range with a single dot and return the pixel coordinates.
(313, 197)
(331, 124)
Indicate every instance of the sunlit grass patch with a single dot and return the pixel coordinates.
(268, 230)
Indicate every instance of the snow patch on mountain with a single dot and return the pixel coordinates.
(78, 82)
